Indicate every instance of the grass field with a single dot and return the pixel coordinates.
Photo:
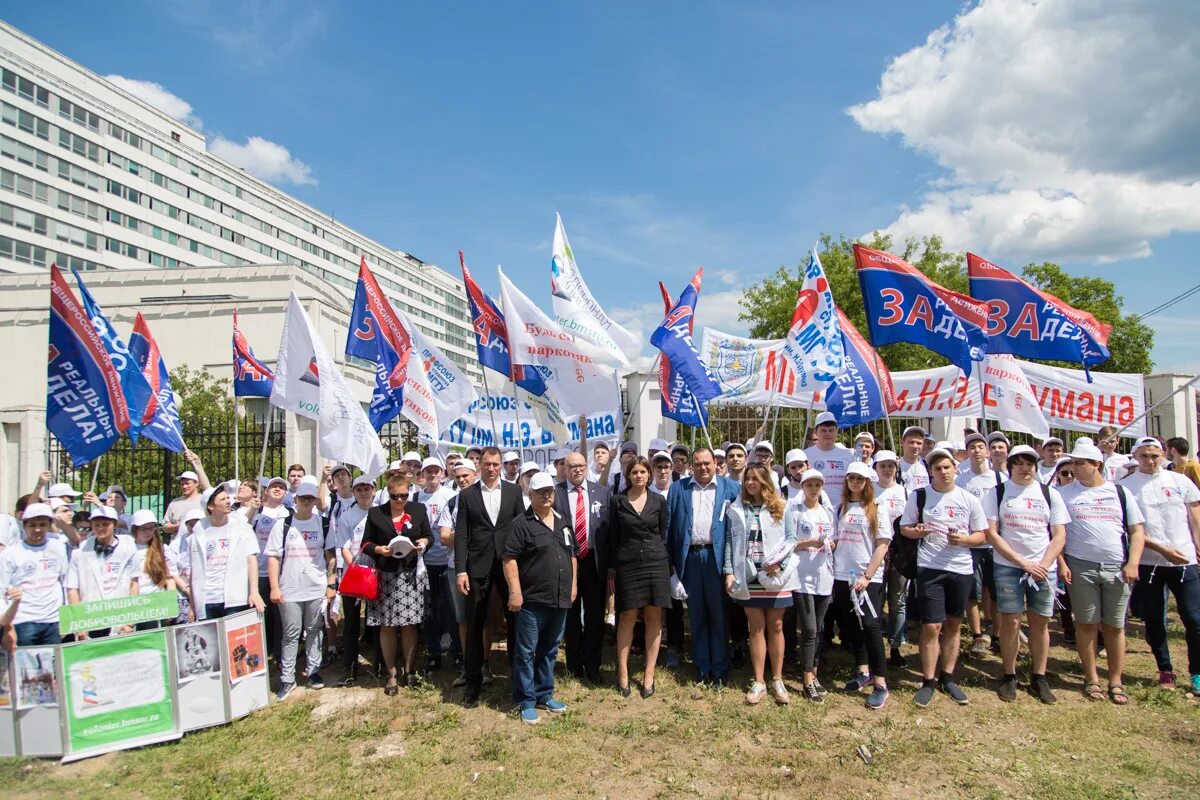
(684, 742)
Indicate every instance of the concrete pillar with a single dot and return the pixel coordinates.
(645, 421)
(1176, 416)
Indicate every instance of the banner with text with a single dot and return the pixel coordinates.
(753, 371)
(517, 426)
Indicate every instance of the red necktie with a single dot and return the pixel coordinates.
(581, 523)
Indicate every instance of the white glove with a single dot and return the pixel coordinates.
(677, 590)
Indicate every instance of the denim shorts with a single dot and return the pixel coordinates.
(1014, 595)
(1098, 593)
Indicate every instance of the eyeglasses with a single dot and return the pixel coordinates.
(574, 467)
(1062, 473)
(397, 495)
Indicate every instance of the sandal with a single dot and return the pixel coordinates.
(1117, 695)
(1093, 691)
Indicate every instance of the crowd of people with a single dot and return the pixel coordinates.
(747, 559)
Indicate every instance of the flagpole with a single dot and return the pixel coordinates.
(812, 401)
(774, 424)
(982, 401)
(489, 403)
(262, 459)
(95, 473)
(517, 411)
(886, 413)
(237, 449)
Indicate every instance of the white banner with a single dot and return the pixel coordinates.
(578, 312)
(534, 338)
(518, 426)
(753, 371)
(1009, 393)
(937, 392)
(297, 387)
(449, 390)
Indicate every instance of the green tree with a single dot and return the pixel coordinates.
(768, 305)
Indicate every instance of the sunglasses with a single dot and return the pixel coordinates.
(397, 495)
(1066, 474)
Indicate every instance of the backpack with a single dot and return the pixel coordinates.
(902, 552)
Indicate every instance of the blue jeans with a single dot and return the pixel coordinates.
(37, 633)
(539, 633)
(442, 618)
(706, 609)
(1184, 583)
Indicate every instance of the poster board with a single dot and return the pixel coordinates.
(200, 674)
(36, 691)
(243, 642)
(8, 721)
(117, 693)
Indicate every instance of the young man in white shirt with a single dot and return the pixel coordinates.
(32, 573)
(223, 557)
(1114, 463)
(913, 471)
(864, 448)
(663, 468)
(302, 574)
(1104, 546)
(348, 540)
(735, 461)
(998, 446)
(978, 478)
(511, 464)
(829, 457)
(439, 628)
(1170, 504)
(105, 566)
(949, 521)
(1051, 450)
(1027, 529)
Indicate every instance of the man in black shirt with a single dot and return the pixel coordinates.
(539, 565)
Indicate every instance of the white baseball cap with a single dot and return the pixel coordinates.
(187, 475)
(339, 468)
(867, 435)
(629, 447)
(794, 455)
(362, 480)
(718, 453)
(57, 502)
(37, 510)
(431, 462)
(1146, 441)
(1052, 440)
(542, 480)
(465, 466)
(885, 455)
(207, 497)
(194, 515)
(270, 481)
(530, 466)
(510, 456)
(306, 489)
(1086, 449)
(104, 512)
(143, 516)
(661, 455)
(62, 490)
(118, 489)
(811, 474)
(412, 455)
(823, 417)
(658, 444)
(862, 470)
(1022, 450)
(396, 465)
(764, 445)
(948, 446)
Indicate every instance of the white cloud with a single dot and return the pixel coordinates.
(716, 310)
(157, 95)
(1068, 128)
(268, 160)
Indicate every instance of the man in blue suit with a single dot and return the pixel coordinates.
(696, 529)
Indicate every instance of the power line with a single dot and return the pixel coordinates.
(1167, 304)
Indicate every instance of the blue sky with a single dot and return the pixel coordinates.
(673, 135)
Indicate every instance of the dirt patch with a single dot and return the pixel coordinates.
(342, 703)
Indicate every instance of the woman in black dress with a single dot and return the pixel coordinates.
(637, 535)
(402, 586)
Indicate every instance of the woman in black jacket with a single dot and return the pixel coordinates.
(402, 586)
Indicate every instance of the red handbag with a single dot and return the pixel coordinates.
(361, 579)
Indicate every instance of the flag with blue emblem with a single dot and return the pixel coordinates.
(692, 383)
(251, 377)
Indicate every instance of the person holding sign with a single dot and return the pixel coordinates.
(397, 534)
(32, 572)
(302, 573)
(105, 566)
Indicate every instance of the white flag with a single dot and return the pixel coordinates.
(344, 429)
(813, 345)
(452, 394)
(576, 309)
(1009, 396)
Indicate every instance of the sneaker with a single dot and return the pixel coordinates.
(672, 658)
(1008, 690)
(980, 645)
(956, 693)
(821, 690)
(780, 692)
(329, 659)
(757, 692)
(461, 680)
(1069, 636)
(896, 659)
(285, 689)
(1196, 684)
(877, 698)
(1166, 680)
(553, 706)
(859, 682)
(812, 695)
(1039, 687)
(486, 675)
(995, 645)
(530, 716)
(924, 696)
(315, 681)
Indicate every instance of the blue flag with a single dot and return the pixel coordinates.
(85, 407)
(904, 306)
(859, 393)
(251, 377)
(1026, 322)
(377, 335)
(691, 383)
(161, 420)
(133, 383)
(491, 338)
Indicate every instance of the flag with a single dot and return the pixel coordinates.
(251, 377)
(577, 311)
(491, 337)
(85, 407)
(664, 367)
(813, 343)
(452, 392)
(133, 383)
(1025, 321)
(905, 306)
(382, 335)
(308, 382)
(1009, 397)
(754, 372)
(676, 401)
(860, 394)
(161, 420)
(673, 337)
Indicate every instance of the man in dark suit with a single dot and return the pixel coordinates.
(584, 504)
(485, 512)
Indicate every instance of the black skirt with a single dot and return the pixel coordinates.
(643, 583)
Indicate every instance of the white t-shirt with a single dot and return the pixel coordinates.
(39, 572)
(350, 527)
(438, 554)
(1046, 474)
(855, 544)
(103, 578)
(892, 499)
(1024, 521)
(958, 510)
(10, 531)
(814, 572)
(264, 523)
(1096, 531)
(303, 577)
(979, 485)
(914, 476)
(145, 585)
(832, 464)
(1163, 498)
(1114, 467)
(218, 543)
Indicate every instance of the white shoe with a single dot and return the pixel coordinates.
(780, 692)
(757, 692)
